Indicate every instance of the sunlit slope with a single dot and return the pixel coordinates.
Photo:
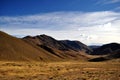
(56, 47)
(15, 49)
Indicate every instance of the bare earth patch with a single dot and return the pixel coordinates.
(59, 70)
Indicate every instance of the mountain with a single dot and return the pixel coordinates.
(94, 46)
(15, 49)
(46, 41)
(106, 52)
(63, 45)
(77, 45)
(114, 55)
(59, 48)
(106, 49)
(37, 48)
(46, 48)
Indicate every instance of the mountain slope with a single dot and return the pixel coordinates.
(106, 49)
(58, 48)
(46, 48)
(15, 49)
(114, 55)
(76, 45)
(107, 52)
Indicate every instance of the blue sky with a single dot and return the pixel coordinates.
(28, 7)
(89, 21)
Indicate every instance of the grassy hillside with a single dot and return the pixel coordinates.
(57, 48)
(15, 49)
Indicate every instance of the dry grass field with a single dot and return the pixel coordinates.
(70, 70)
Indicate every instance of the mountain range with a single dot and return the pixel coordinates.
(109, 51)
(45, 48)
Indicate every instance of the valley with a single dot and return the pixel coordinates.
(45, 58)
(69, 70)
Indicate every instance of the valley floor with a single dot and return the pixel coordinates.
(59, 70)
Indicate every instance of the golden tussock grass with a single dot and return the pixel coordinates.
(72, 70)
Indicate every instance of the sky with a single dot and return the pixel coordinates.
(93, 22)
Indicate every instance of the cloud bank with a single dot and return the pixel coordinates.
(88, 27)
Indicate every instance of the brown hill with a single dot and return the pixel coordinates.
(115, 55)
(38, 48)
(107, 52)
(15, 49)
(46, 41)
(106, 49)
(58, 48)
(77, 45)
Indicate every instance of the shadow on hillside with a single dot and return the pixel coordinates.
(98, 59)
(49, 50)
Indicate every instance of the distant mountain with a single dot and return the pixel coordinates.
(77, 45)
(110, 51)
(114, 55)
(106, 49)
(94, 46)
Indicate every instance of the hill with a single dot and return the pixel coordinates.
(112, 56)
(59, 48)
(14, 49)
(94, 46)
(37, 48)
(46, 48)
(106, 49)
(77, 45)
(106, 52)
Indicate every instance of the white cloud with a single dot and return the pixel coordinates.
(88, 27)
(112, 1)
(107, 1)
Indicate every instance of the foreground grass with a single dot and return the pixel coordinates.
(59, 70)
